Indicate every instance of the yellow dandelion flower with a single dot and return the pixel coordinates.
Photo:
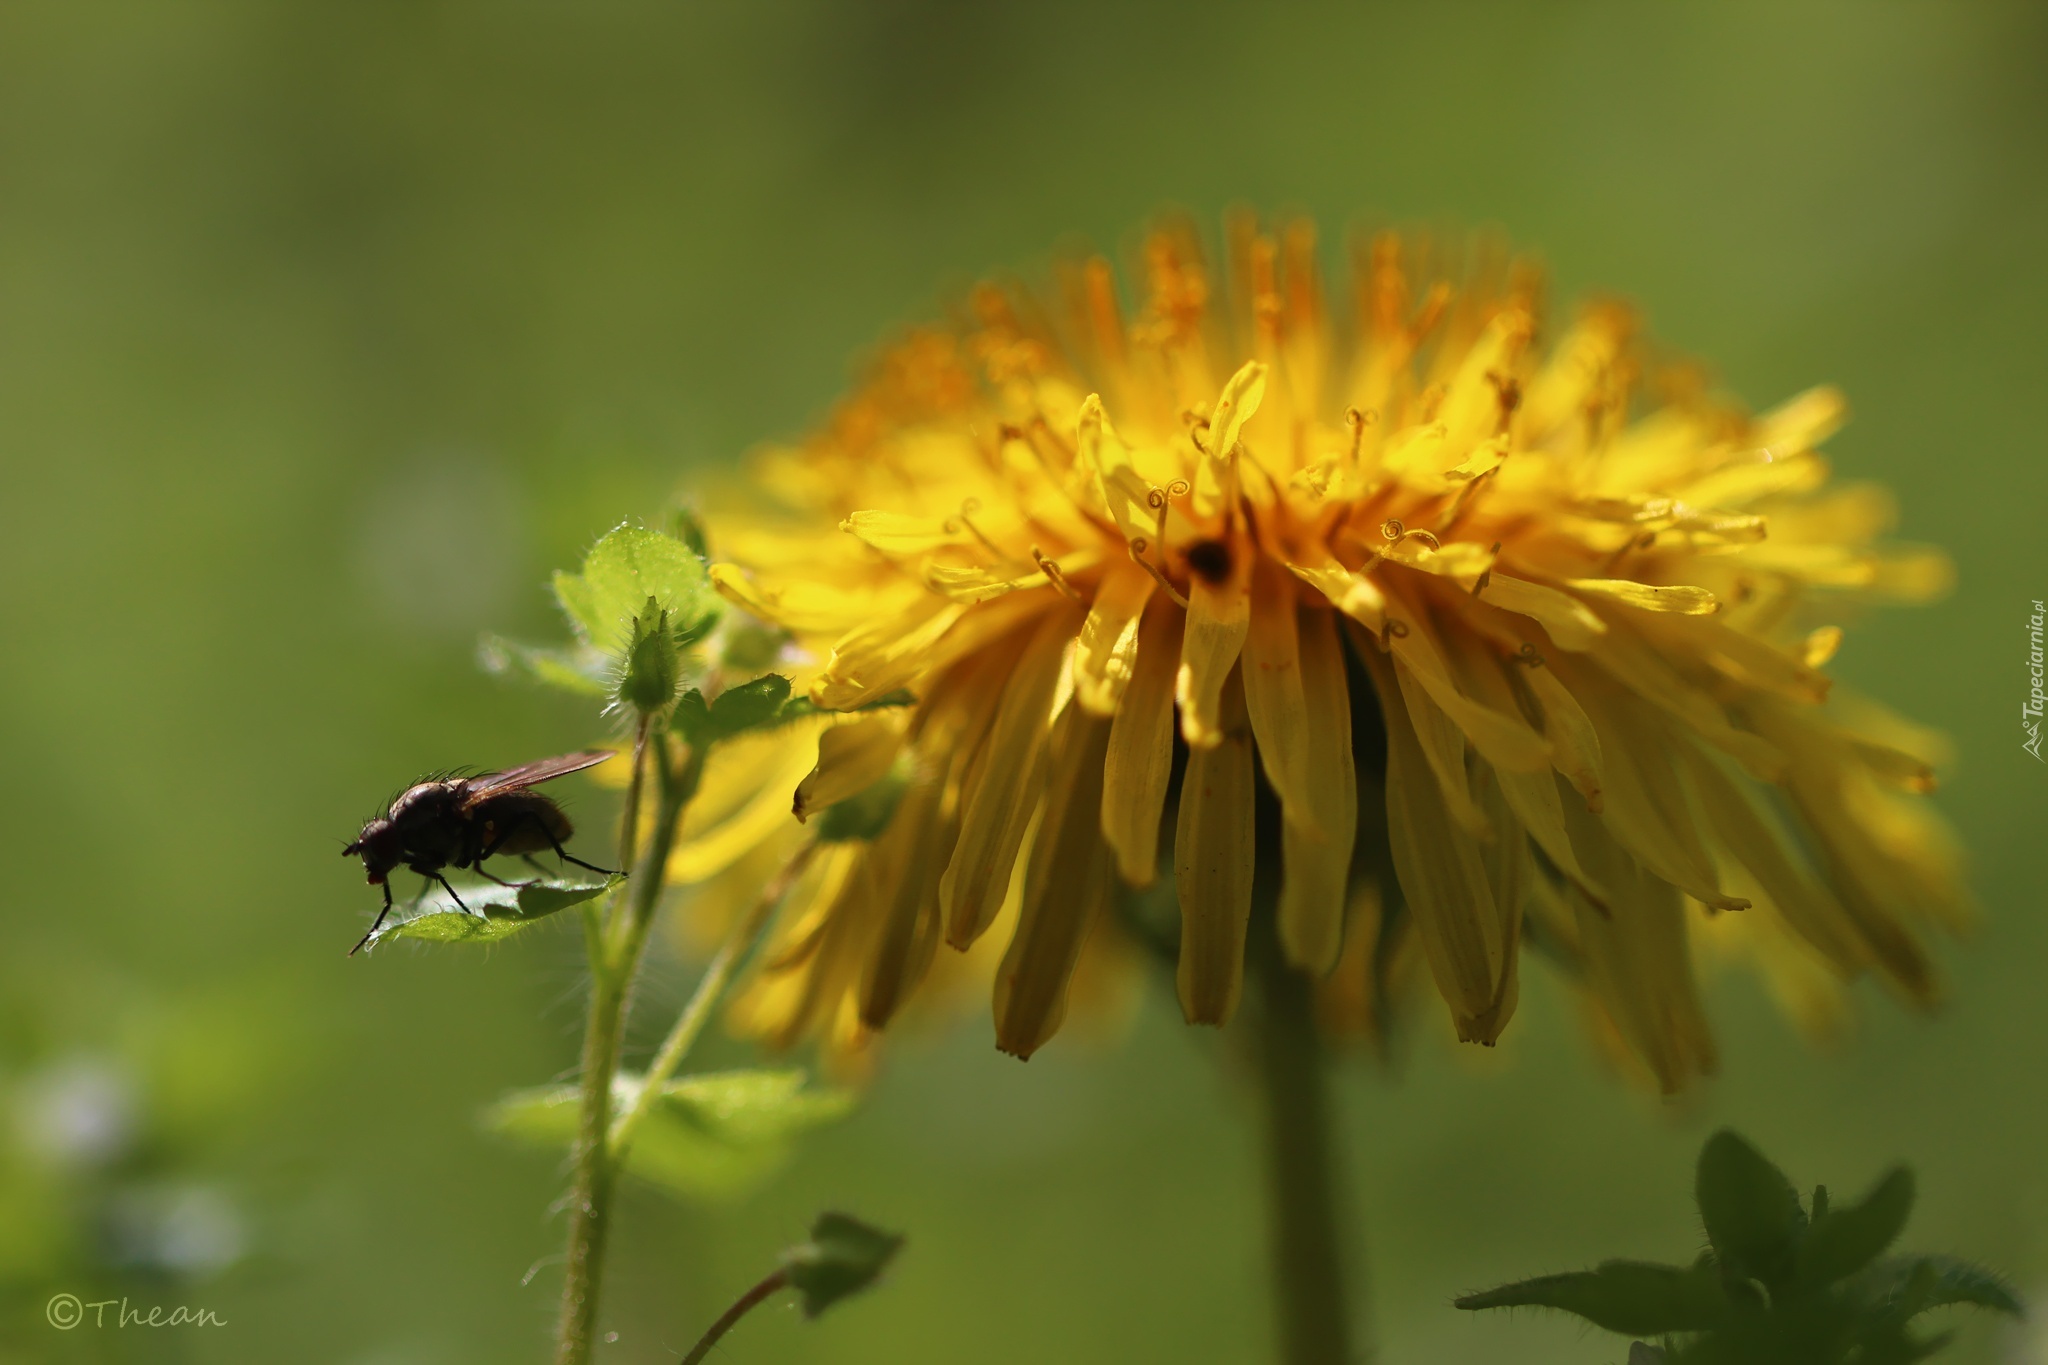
(1514, 640)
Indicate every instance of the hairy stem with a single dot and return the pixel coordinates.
(1307, 1252)
(717, 976)
(614, 962)
(743, 1305)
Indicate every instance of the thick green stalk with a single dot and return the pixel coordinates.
(1310, 1291)
(614, 962)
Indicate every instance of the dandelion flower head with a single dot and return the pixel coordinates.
(1517, 640)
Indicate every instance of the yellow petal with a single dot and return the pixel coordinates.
(704, 853)
(1316, 858)
(1505, 739)
(803, 606)
(1472, 405)
(1212, 866)
(1739, 656)
(1679, 598)
(1109, 639)
(1441, 872)
(1219, 617)
(1647, 812)
(1118, 485)
(880, 657)
(1574, 743)
(1216, 477)
(1803, 421)
(912, 856)
(1639, 964)
(1139, 763)
(1569, 622)
(1066, 885)
(851, 758)
(1743, 830)
(974, 583)
(1354, 594)
(897, 535)
(1002, 788)
(1273, 692)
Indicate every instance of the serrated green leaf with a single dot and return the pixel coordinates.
(712, 1136)
(1904, 1287)
(1750, 1209)
(579, 669)
(1636, 1297)
(748, 706)
(798, 708)
(1843, 1240)
(844, 1256)
(692, 716)
(625, 568)
(494, 913)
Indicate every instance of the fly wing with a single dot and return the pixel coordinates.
(529, 774)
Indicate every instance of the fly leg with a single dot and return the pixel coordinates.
(496, 844)
(451, 891)
(553, 843)
(378, 925)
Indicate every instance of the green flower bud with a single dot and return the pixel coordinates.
(651, 669)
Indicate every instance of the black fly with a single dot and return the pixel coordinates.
(460, 821)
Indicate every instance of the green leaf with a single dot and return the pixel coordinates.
(494, 913)
(844, 1256)
(1636, 1297)
(797, 708)
(1750, 1209)
(711, 1136)
(579, 669)
(1906, 1286)
(748, 706)
(625, 568)
(752, 705)
(1844, 1240)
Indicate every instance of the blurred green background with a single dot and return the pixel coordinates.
(326, 331)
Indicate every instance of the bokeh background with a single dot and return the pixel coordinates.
(327, 331)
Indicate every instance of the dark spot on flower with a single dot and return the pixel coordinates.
(1209, 560)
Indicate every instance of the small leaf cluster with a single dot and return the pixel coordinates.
(1782, 1283)
(645, 616)
(714, 1135)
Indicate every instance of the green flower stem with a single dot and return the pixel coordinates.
(1309, 1286)
(614, 962)
(629, 815)
(743, 1305)
(724, 965)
